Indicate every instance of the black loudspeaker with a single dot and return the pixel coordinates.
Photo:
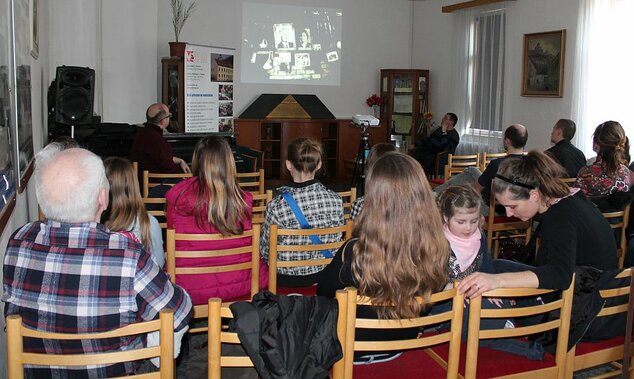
(75, 95)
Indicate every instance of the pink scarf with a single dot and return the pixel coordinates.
(465, 249)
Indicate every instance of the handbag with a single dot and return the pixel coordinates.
(511, 250)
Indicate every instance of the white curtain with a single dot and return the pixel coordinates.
(603, 79)
(479, 77)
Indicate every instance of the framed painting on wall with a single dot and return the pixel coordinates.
(543, 64)
(23, 125)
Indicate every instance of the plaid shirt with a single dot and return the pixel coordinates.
(357, 207)
(81, 278)
(322, 208)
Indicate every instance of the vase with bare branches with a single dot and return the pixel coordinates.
(180, 13)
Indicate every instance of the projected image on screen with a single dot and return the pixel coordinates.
(291, 44)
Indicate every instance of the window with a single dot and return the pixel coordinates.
(602, 77)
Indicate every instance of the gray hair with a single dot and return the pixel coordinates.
(68, 182)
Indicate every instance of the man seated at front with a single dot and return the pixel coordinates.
(152, 152)
(70, 274)
(445, 138)
(564, 152)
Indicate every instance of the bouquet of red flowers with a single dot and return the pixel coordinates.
(374, 100)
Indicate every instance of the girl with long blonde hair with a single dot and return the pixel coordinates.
(398, 250)
(126, 212)
(211, 201)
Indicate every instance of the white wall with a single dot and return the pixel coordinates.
(433, 37)
(129, 60)
(376, 34)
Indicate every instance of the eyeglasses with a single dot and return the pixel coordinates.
(169, 115)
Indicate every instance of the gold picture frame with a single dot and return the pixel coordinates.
(543, 64)
(34, 12)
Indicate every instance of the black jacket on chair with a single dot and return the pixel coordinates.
(288, 336)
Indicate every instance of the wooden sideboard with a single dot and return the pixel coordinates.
(340, 140)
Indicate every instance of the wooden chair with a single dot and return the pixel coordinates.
(253, 264)
(275, 248)
(259, 208)
(458, 163)
(151, 204)
(590, 354)
(218, 335)
(424, 362)
(569, 181)
(252, 181)
(348, 198)
(488, 157)
(18, 358)
(619, 220)
(495, 225)
(152, 179)
(493, 363)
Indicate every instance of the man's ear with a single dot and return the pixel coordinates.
(102, 202)
(289, 165)
(318, 166)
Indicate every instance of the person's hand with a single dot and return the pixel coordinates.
(184, 167)
(477, 283)
(496, 301)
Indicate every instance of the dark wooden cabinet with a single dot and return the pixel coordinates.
(339, 138)
(406, 98)
(173, 91)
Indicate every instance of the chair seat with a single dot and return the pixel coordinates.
(589, 347)
(305, 291)
(494, 363)
(412, 364)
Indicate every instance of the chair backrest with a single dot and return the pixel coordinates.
(260, 200)
(156, 207)
(252, 181)
(348, 198)
(218, 335)
(619, 220)
(494, 225)
(152, 179)
(488, 157)
(275, 248)
(252, 264)
(559, 321)
(457, 163)
(452, 335)
(17, 358)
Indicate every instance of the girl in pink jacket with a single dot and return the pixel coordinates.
(212, 202)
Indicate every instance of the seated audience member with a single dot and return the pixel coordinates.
(126, 212)
(102, 280)
(212, 202)
(377, 151)
(609, 173)
(515, 138)
(564, 152)
(445, 138)
(573, 232)
(460, 207)
(152, 152)
(405, 242)
(321, 207)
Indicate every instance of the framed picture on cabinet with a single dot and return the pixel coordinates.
(543, 64)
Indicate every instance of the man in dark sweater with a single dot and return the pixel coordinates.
(152, 152)
(445, 138)
(564, 152)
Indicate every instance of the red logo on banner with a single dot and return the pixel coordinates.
(190, 55)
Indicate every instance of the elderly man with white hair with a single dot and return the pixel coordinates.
(71, 274)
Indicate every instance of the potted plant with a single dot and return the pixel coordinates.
(180, 14)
